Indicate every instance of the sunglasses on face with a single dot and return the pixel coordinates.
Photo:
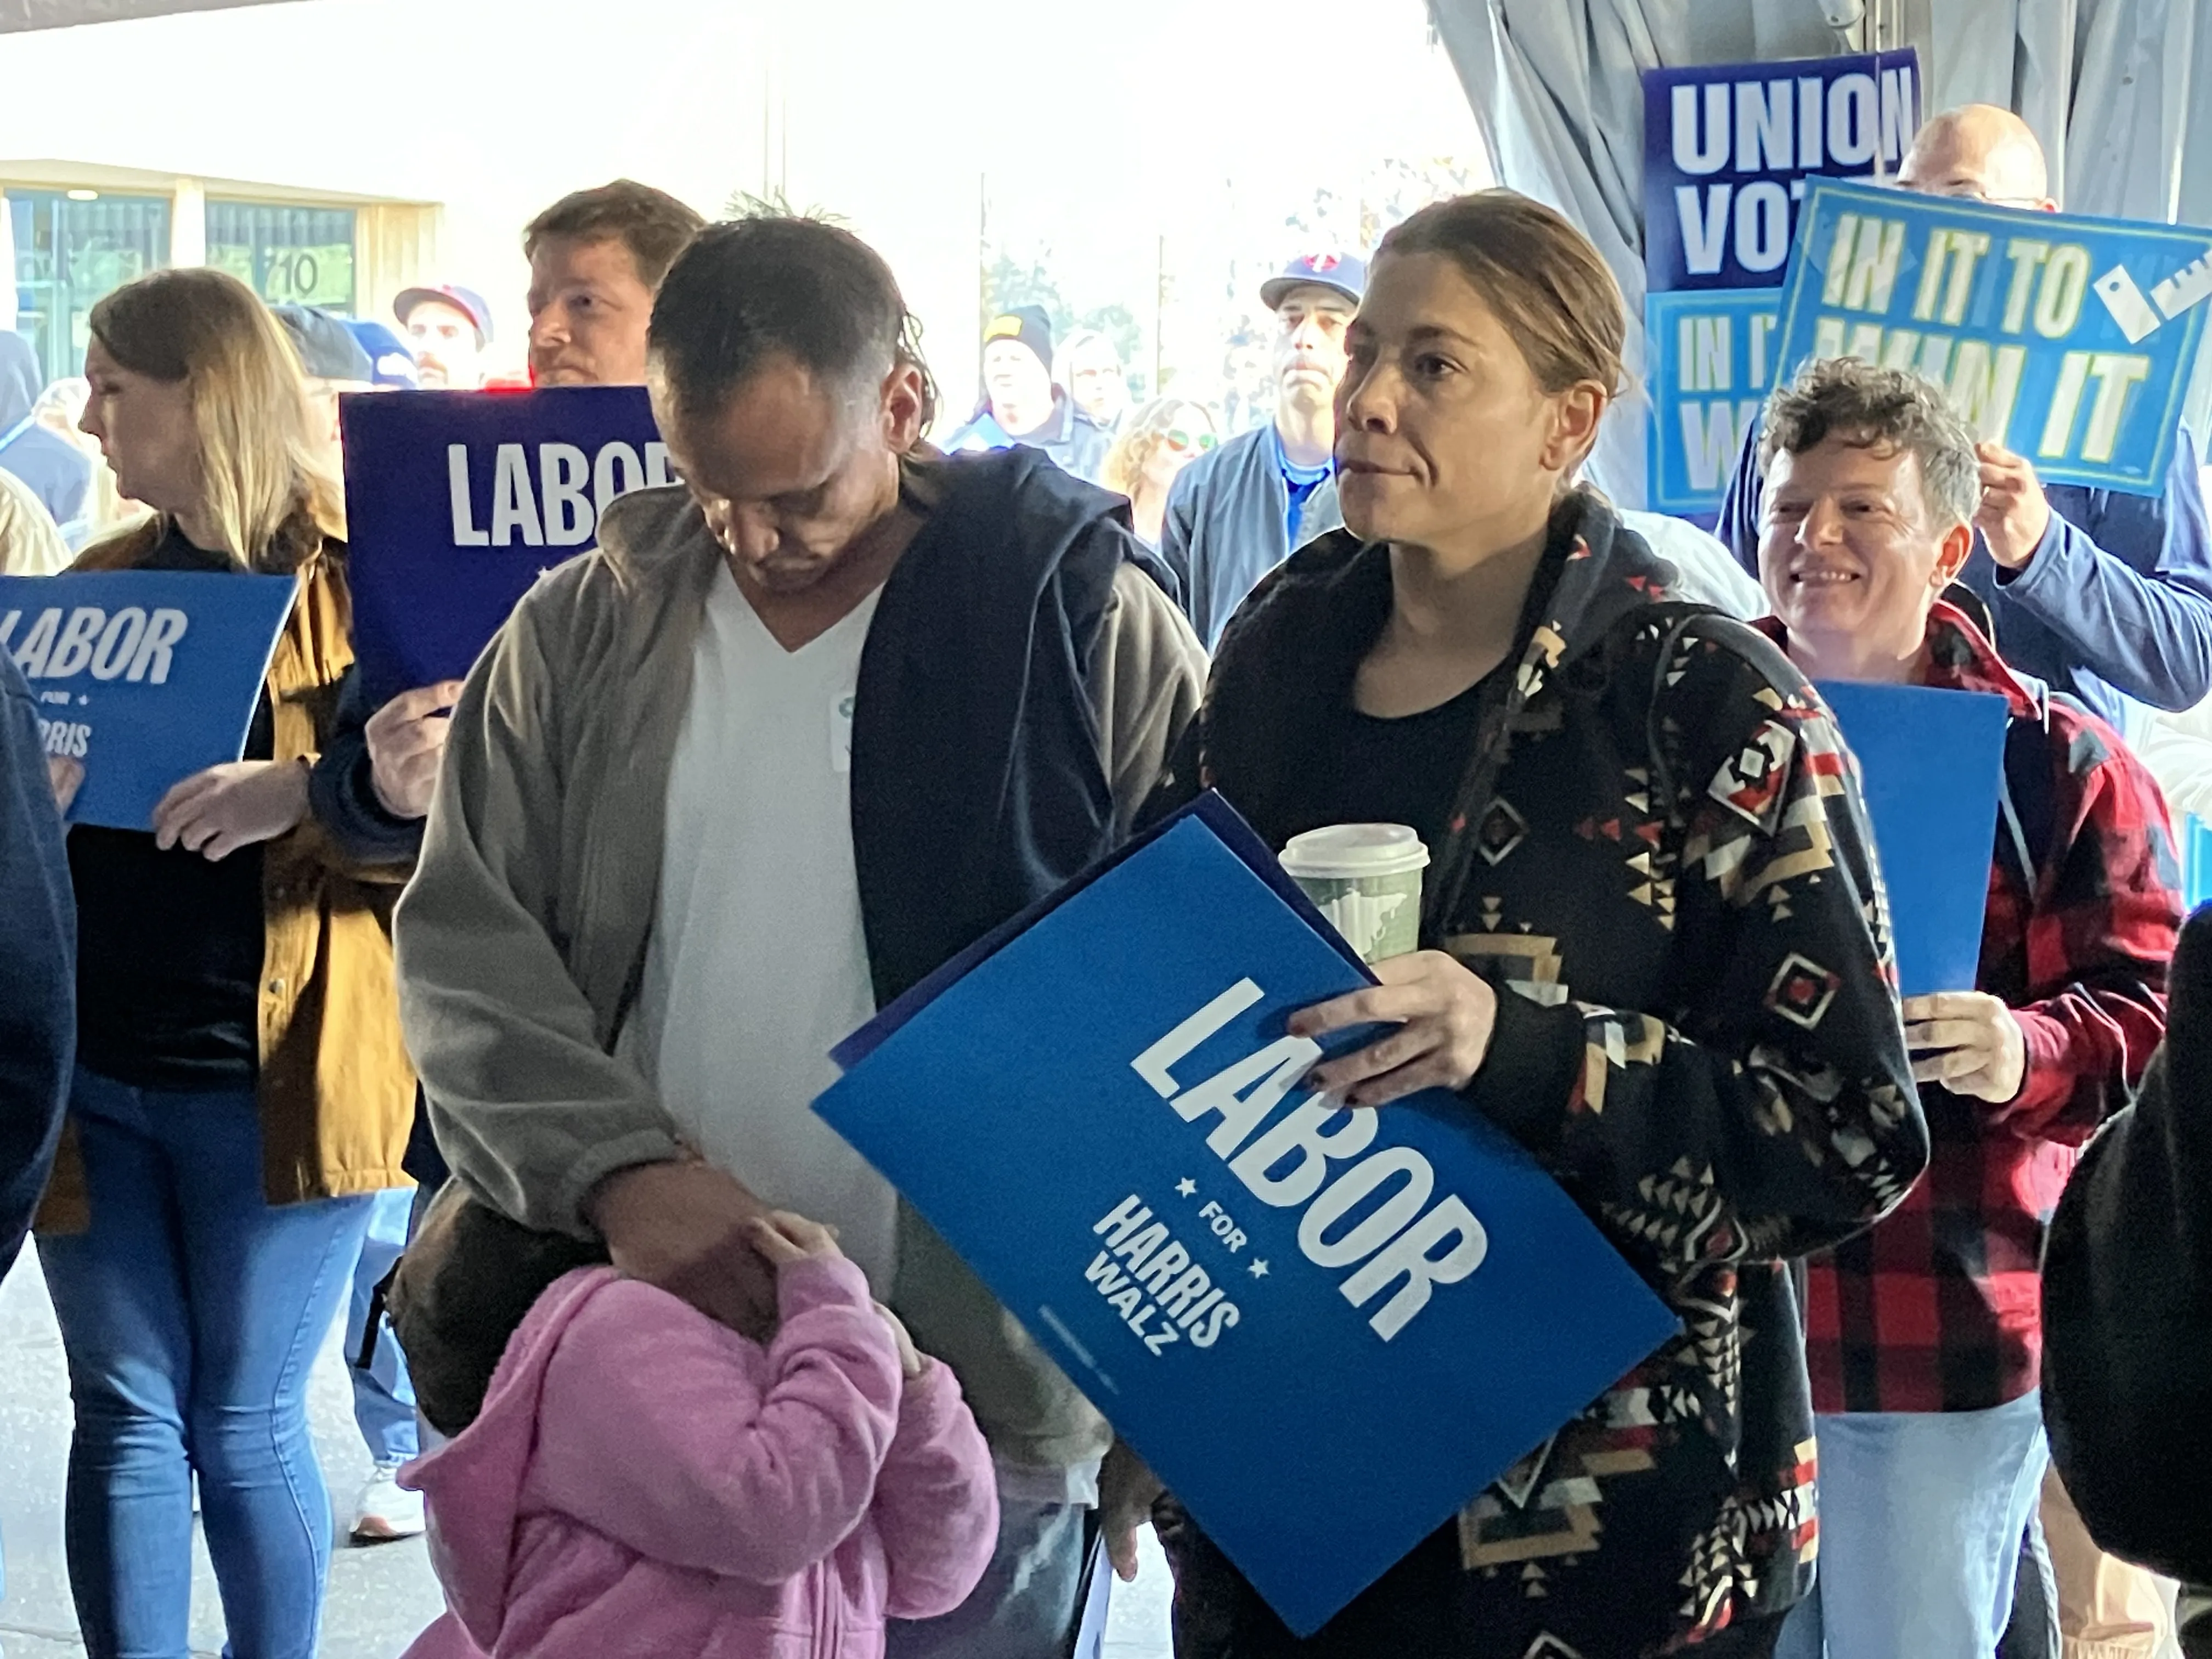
(1180, 440)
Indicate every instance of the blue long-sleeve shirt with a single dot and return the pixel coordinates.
(37, 965)
(342, 793)
(2115, 602)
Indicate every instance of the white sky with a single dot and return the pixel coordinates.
(1102, 127)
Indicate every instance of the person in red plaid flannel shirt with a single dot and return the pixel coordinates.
(1923, 1334)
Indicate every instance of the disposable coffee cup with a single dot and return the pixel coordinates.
(1366, 879)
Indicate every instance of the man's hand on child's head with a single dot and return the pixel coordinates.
(783, 1238)
(681, 1226)
(910, 1361)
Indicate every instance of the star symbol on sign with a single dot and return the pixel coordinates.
(1186, 1187)
(1259, 1270)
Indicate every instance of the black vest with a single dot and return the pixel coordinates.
(978, 786)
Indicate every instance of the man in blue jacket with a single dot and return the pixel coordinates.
(1022, 404)
(1236, 513)
(58, 471)
(37, 965)
(2101, 595)
(596, 258)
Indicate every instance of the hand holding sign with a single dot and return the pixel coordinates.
(143, 678)
(1444, 1014)
(407, 743)
(1127, 1492)
(2014, 515)
(215, 812)
(67, 777)
(1324, 1329)
(1969, 1042)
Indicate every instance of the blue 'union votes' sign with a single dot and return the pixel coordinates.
(1729, 149)
(1326, 1330)
(146, 677)
(2068, 340)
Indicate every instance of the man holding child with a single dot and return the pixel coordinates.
(798, 731)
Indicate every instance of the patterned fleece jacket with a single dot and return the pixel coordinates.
(1659, 858)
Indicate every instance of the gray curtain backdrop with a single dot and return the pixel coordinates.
(2120, 91)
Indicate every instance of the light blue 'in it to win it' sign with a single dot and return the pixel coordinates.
(1710, 356)
(2068, 340)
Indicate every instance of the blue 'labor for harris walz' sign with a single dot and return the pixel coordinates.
(1710, 359)
(1930, 765)
(146, 677)
(1327, 1330)
(1728, 150)
(2068, 340)
(458, 502)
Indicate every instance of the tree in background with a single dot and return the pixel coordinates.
(1009, 282)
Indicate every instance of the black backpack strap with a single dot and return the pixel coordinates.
(2028, 811)
(370, 1329)
(1680, 619)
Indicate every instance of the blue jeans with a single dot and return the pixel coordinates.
(1921, 1518)
(383, 1398)
(1028, 1601)
(190, 1314)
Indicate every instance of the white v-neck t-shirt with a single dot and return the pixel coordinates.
(757, 965)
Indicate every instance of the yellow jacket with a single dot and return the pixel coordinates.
(337, 1092)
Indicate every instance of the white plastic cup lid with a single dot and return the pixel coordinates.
(1344, 852)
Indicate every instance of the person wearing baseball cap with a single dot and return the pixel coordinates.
(331, 361)
(392, 364)
(1021, 403)
(596, 258)
(447, 328)
(1236, 513)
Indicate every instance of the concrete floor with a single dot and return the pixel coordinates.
(379, 1597)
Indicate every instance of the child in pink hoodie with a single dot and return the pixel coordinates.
(634, 1478)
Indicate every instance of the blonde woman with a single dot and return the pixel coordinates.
(30, 542)
(241, 1087)
(1164, 437)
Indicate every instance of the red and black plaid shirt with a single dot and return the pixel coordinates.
(1939, 1307)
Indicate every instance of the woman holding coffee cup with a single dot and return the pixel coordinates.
(1655, 950)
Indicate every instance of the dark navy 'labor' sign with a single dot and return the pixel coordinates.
(1326, 1329)
(458, 502)
(146, 677)
(1728, 150)
(2068, 340)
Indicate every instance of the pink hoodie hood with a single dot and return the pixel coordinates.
(643, 1479)
(475, 1480)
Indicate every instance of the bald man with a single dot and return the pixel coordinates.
(1979, 153)
(2102, 595)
